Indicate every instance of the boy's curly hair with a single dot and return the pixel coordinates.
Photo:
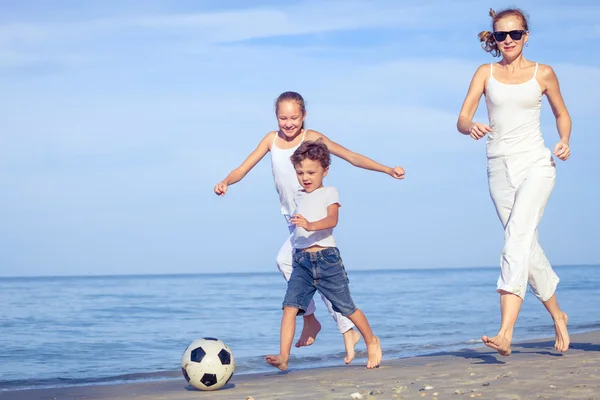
(314, 150)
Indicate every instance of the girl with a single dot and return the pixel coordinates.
(291, 114)
(521, 171)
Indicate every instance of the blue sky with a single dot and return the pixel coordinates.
(118, 117)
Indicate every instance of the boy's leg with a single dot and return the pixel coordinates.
(288, 328)
(373, 345)
(311, 326)
(332, 282)
(300, 292)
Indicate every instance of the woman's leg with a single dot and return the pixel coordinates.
(527, 185)
(542, 278)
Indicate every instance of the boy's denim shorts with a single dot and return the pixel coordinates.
(323, 271)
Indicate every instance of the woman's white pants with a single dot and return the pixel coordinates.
(520, 186)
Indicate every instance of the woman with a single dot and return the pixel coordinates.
(521, 171)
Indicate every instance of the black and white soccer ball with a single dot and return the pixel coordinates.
(207, 364)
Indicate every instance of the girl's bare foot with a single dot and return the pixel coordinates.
(374, 353)
(500, 343)
(351, 338)
(310, 330)
(278, 361)
(562, 335)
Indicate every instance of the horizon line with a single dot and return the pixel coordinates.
(253, 272)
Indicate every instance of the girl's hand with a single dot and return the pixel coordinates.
(221, 188)
(479, 130)
(300, 221)
(562, 150)
(397, 173)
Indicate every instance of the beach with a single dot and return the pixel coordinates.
(533, 371)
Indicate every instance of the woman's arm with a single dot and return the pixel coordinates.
(465, 124)
(551, 88)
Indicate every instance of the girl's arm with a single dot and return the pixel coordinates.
(358, 160)
(465, 124)
(551, 88)
(240, 172)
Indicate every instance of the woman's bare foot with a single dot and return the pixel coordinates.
(310, 330)
(351, 338)
(278, 361)
(562, 334)
(374, 353)
(500, 343)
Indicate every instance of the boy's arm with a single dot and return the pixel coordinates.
(330, 221)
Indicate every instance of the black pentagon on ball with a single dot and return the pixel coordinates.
(208, 379)
(225, 357)
(210, 338)
(197, 355)
(185, 375)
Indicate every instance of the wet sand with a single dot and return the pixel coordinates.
(533, 371)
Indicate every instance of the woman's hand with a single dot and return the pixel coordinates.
(562, 150)
(479, 130)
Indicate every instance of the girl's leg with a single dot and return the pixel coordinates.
(332, 283)
(311, 326)
(346, 328)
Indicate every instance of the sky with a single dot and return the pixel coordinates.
(117, 118)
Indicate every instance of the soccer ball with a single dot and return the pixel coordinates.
(207, 364)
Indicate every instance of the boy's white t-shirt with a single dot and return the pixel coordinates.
(313, 207)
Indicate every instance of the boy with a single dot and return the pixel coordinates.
(317, 264)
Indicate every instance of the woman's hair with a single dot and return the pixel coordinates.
(488, 43)
(314, 150)
(291, 96)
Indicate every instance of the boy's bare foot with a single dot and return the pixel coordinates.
(500, 343)
(310, 330)
(374, 353)
(278, 361)
(562, 335)
(351, 338)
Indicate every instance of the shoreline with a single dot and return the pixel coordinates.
(174, 374)
(534, 370)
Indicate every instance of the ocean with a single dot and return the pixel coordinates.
(62, 331)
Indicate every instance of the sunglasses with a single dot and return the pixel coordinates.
(514, 35)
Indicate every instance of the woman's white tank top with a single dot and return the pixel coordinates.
(514, 115)
(284, 174)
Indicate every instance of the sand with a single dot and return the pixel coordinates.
(533, 371)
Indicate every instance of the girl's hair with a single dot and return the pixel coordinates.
(291, 96)
(314, 150)
(488, 43)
